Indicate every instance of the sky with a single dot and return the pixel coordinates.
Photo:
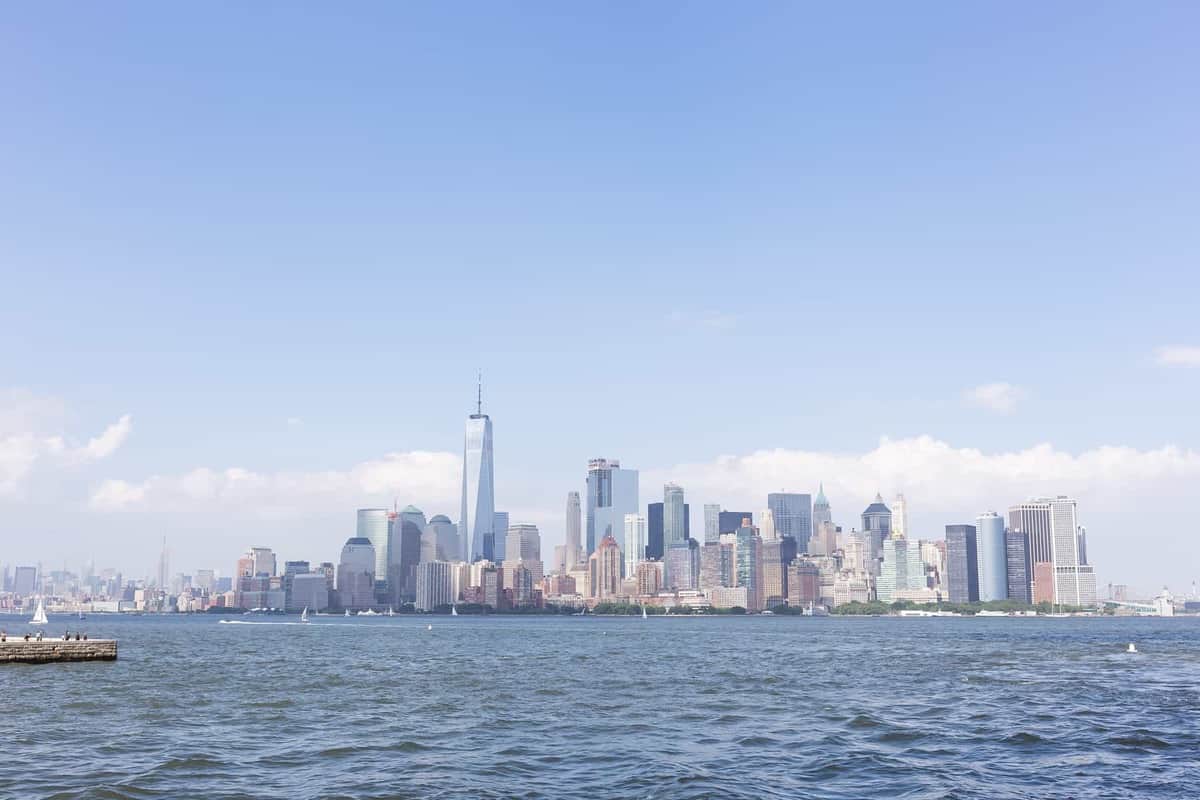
(252, 257)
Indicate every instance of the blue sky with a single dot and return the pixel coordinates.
(665, 233)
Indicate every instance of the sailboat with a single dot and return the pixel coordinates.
(39, 616)
(454, 611)
(304, 614)
(391, 613)
(347, 613)
(643, 612)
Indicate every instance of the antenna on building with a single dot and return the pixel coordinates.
(479, 395)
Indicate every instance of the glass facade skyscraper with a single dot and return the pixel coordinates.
(793, 516)
(478, 486)
(612, 493)
(672, 515)
(373, 526)
(992, 557)
(962, 564)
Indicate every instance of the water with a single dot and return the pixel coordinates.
(592, 707)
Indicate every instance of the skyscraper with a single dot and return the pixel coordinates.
(612, 493)
(605, 566)
(821, 511)
(446, 543)
(672, 514)
(731, 521)
(635, 540)
(962, 564)
(793, 516)
(876, 526)
(712, 523)
(992, 557)
(1054, 541)
(574, 530)
(1019, 569)
(373, 526)
(356, 573)
(748, 564)
(434, 585)
(478, 490)
(681, 566)
(524, 547)
(499, 535)
(899, 517)
(766, 525)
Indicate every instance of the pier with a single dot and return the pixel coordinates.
(50, 651)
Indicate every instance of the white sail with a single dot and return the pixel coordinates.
(39, 616)
(304, 615)
(643, 612)
(453, 611)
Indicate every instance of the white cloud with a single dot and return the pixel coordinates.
(294, 422)
(26, 442)
(1177, 356)
(1000, 397)
(433, 478)
(938, 477)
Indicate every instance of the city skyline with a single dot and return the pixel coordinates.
(226, 326)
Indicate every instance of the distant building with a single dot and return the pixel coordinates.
(962, 564)
(821, 512)
(25, 581)
(435, 585)
(774, 590)
(477, 512)
(901, 571)
(373, 526)
(605, 566)
(290, 570)
(574, 530)
(992, 555)
(793, 516)
(264, 561)
(729, 597)
(356, 574)
(1043, 582)
(612, 493)
(716, 565)
(824, 541)
(656, 529)
(876, 526)
(405, 531)
(766, 525)
(635, 540)
(1055, 537)
(442, 535)
(899, 511)
(1018, 569)
(730, 521)
(499, 536)
(803, 584)
(673, 515)
(748, 564)
(310, 591)
(524, 547)
(649, 576)
(712, 523)
(682, 565)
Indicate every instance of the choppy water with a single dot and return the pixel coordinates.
(567, 707)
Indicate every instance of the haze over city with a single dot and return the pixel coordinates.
(951, 256)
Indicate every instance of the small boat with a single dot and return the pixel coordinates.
(428, 627)
(370, 612)
(454, 611)
(769, 612)
(391, 613)
(643, 612)
(39, 616)
(1132, 648)
(304, 615)
(347, 613)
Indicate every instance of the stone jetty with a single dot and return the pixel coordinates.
(49, 651)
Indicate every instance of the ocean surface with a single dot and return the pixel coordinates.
(754, 707)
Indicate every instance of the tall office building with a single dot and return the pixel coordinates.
(1019, 569)
(901, 570)
(672, 514)
(712, 523)
(748, 564)
(405, 531)
(434, 585)
(605, 569)
(477, 515)
(899, 517)
(774, 591)
(876, 526)
(612, 493)
(264, 561)
(25, 581)
(766, 525)
(992, 557)
(1054, 541)
(373, 526)
(356, 573)
(731, 521)
(443, 535)
(635, 540)
(681, 566)
(524, 547)
(821, 511)
(962, 564)
(793, 516)
(574, 530)
(656, 545)
(499, 535)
